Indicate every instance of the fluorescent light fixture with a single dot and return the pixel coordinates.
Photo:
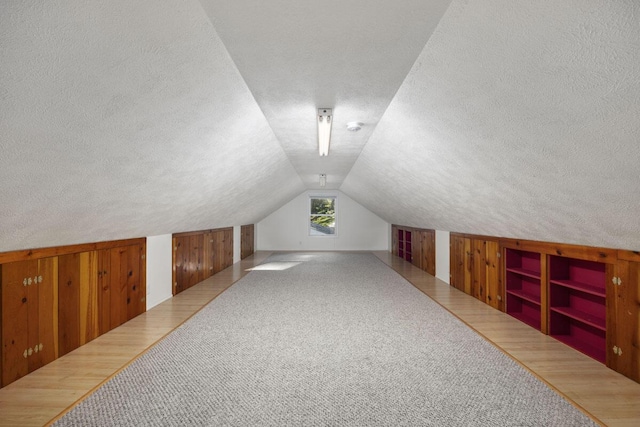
(324, 130)
(323, 180)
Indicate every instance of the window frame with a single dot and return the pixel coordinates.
(335, 214)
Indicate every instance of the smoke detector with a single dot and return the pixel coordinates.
(354, 126)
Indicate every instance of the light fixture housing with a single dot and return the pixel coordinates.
(323, 180)
(324, 130)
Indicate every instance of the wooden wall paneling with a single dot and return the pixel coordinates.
(588, 253)
(429, 251)
(218, 251)
(479, 269)
(494, 287)
(207, 266)
(181, 254)
(228, 247)
(39, 253)
(47, 318)
(246, 240)
(135, 293)
(89, 310)
(461, 263)
(117, 282)
(15, 318)
(192, 261)
(104, 290)
(416, 248)
(623, 319)
(68, 303)
(544, 294)
(394, 240)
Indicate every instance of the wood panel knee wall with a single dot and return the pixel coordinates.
(54, 300)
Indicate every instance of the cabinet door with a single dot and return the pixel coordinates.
(246, 240)
(196, 250)
(429, 251)
(69, 303)
(136, 290)
(228, 248)
(47, 340)
(394, 240)
(460, 263)
(479, 269)
(104, 291)
(181, 249)
(17, 298)
(416, 248)
(118, 273)
(623, 320)
(495, 290)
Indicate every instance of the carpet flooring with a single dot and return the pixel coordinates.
(332, 339)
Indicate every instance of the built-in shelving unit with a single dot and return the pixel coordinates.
(577, 304)
(404, 244)
(523, 286)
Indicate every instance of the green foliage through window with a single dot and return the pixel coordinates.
(322, 216)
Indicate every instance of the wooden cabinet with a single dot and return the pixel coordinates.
(29, 314)
(475, 268)
(415, 245)
(247, 237)
(623, 316)
(198, 255)
(54, 304)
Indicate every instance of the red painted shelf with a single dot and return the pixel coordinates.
(534, 299)
(582, 287)
(525, 272)
(581, 316)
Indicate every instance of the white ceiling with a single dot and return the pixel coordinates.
(504, 117)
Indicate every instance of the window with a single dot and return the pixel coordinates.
(322, 216)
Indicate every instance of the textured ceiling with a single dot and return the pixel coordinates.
(518, 119)
(506, 117)
(300, 55)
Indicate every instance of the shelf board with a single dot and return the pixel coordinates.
(524, 272)
(581, 316)
(534, 299)
(582, 287)
(533, 322)
(597, 353)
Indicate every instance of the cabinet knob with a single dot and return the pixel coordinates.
(30, 351)
(35, 348)
(25, 354)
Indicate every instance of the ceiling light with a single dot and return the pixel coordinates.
(323, 180)
(354, 126)
(324, 130)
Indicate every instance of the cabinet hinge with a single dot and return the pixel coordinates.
(142, 256)
(617, 281)
(498, 254)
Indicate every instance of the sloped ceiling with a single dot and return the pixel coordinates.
(519, 119)
(506, 117)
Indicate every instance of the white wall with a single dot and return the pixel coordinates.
(159, 269)
(357, 228)
(442, 255)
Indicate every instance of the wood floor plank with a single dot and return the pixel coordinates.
(41, 396)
